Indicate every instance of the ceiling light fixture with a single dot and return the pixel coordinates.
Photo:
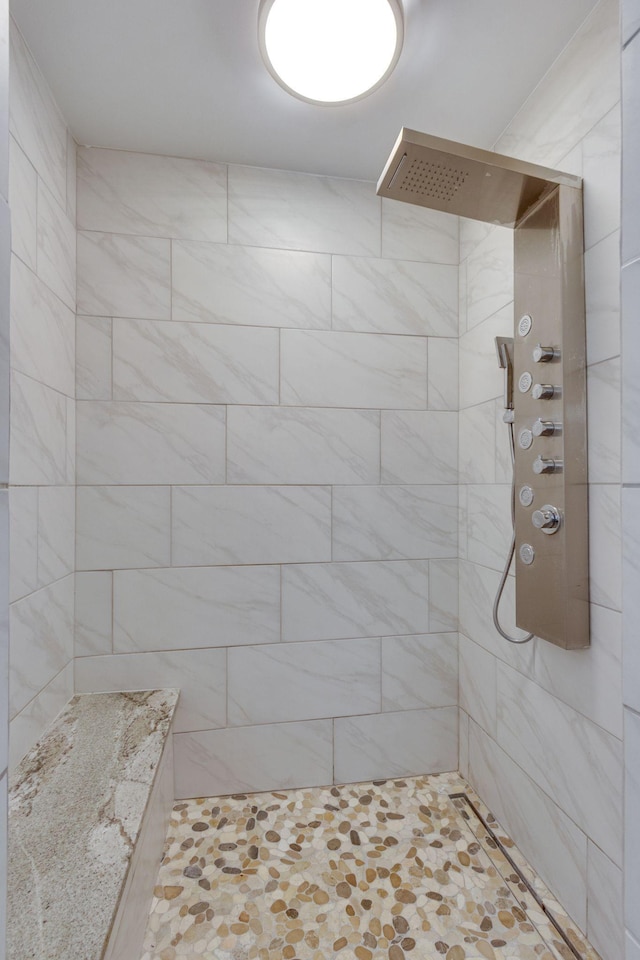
(330, 51)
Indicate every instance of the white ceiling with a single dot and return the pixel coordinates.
(185, 77)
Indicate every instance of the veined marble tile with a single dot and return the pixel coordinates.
(601, 172)
(335, 600)
(605, 926)
(271, 756)
(632, 823)
(93, 616)
(462, 293)
(72, 177)
(254, 286)
(36, 122)
(416, 233)
(93, 358)
(243, 524)
(630, 150)
(419, 447)
(463, 743)
(276, 208)
(42, 331)
(119, 527)
(419, 671)
(201, 676)
(23, 200)
(394, 296)
(23, 541)
(152, 443)
(602, 293)
(194, 362)
(56, 247)
(478, 684)
(472, 233)
(443, 595)
(395, 522)
(463, 524)
(41, 640)
(152, 196)
(195, 607)
(71, 440)
(490, 276)
(630, 10)
(297, 445)
(583, 773)
(545, 834)
(503, 464)
(603, 417)
(442, 373)
(630, 371)
(605, 549)
(396, 744)
(631, 595)
(632, 947)
(38, 433)
(303, 681)
(334, 369)
(56, 533)
(120, 276)
(481, 378)
(489, 527)
(27, 727)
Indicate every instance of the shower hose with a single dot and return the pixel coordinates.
(512, 548)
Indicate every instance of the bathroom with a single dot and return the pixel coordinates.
(255, 451)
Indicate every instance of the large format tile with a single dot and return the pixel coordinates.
(152, 196)
(38, 433)
(93, 358)
(605, 926)
(416, 233)
(56, 247)
(488, 522)
(630, 373)
(195, 607)
(296, 445)
(632, 823)
(443, 595)
(303, 681)
(631, 596)
(630, 150)
(23, 541)
(605, 549)
(332, 369)
(275, 208)
(334, 600)
(151, 443)
(94, 613)
(268, 757)
(480, 376)
(477, 443)
(120, 276)
(630, 19)
(602, 294)
(23, 194)
(478, 684)
(395, 522)
(253, 286)
(442, 374)
(419, 447)
(56, 533)
(27, 727)
(419, 671)
(243, 524)
(194, 362)
(122, 527)
(601, 150)
(489, 276)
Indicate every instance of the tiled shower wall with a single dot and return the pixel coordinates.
(541, 728)
(42, 473)
(267, 467)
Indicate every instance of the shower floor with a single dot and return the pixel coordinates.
(399, 869)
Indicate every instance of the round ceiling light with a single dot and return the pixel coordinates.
(330, 51)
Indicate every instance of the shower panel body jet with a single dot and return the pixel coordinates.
(547, 392)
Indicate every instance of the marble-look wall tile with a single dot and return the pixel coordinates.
(394, 296)
(631, 596)
(296, 445)
(630, 150)
(123, 276)
(333, 369)
(152, 443)
(489, 529)
(56, 533)
(195, 607)
(395, 522)
(93, 358)
(42, 331)
(38, 433)
(28, 726)
(529, 719)
(442, 374)
(504, 467)
(70, 407)
(23, 200)
(477, 444)
(72, 176)
(603, 417)
(632, 823)
(119, 527)
(396, 744)
(602, 293)
(632, 947)
(478, 684)
(151, 196)
(601, 172)
(303, 681)
(201, 676)
(335, 600)
(276, 208)
(93, 616)
(416, 233)
(419, 447)
(463, 743)
(56, 247)
(253, 286)
(490, 276)
(462, 293)
(480, 376)
(41, 640)
(605, 560)
(273, 756)
(23, 541)
(630, 19)
(194, 362)
(443, 595)
(419, 671)
(242, 524)
(605, 927)
(472, 233)
(630, 379)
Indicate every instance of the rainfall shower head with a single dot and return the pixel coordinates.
(465, 181)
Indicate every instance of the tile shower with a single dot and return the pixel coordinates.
(279, 492)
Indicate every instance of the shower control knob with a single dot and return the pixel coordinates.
(545, 391)
(546, 519)
(546, 428)
(527, 553)
(540, 465)
(543, 354)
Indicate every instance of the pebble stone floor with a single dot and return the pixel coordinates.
(392, 870)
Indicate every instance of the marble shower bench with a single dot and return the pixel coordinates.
(89, 808)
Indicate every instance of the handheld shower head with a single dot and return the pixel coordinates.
(504, 349)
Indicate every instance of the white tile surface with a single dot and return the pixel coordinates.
(443, 595)
(603, 417)
(488, 521)
(93, 358)
(601, 172)
(630, 150)
(28, 726)
(478, 684)
(602, 292)
(632, 947)
(268, 757)
(195, 607)
(93, 617)
(631, 595)
(334, 600)
(253, 286)
(56, 533)
(480, 376)
(477, 460)
(152, 196)
(630, 19)
(275, 208)
(419, 447)
(442, 374)
(416, 233)
(56, 247)
(490, 276)
(122, 526)
(236, 524)
(632, 821)
(23, 541)
(297, 445)
(23, 193)
(330, 369)
(630, 373)
(152, 443)
(605, 545)
(419, 671)
(605, 927)
(72, 171)
(38, 433)
(396, 744)
(121, 276)
(194, 362)
(463, 743)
